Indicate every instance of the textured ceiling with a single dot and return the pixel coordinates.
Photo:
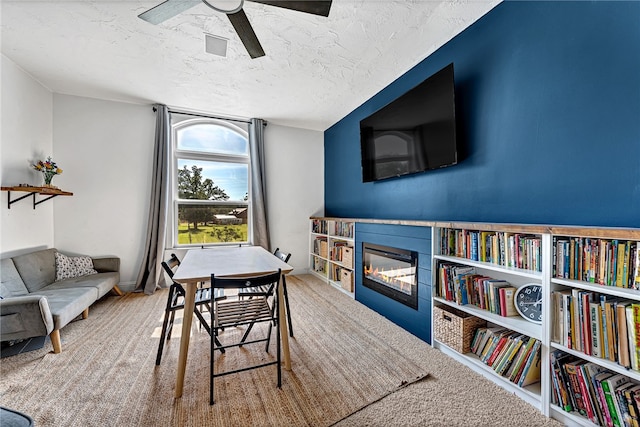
(316, 69)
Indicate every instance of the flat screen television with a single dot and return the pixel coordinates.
(414, 133)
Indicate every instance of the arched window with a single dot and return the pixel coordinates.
(210, 183)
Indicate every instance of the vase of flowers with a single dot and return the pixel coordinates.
(49, 169)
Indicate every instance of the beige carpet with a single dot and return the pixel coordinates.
(344, 356)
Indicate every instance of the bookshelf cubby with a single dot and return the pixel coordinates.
(470, 266)
(331, 251)
(594, 317)
(594, 264)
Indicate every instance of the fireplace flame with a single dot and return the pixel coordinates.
(391, 277)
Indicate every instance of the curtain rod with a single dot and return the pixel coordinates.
(208, 116)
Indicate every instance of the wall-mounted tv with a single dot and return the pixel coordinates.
(414, 133)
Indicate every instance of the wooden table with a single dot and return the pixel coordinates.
(228, 261)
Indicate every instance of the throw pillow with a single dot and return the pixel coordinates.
(68, 267)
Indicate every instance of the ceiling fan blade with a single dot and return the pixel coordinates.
(167, 9)
(245, 31)
(319, 7)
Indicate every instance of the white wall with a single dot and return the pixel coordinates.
(295, 188)
(106, 150)
(26, 135)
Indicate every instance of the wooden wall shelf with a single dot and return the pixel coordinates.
(33, 191)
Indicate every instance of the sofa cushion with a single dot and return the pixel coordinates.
(11, 284)
(103, 282)
(73, 266)
(68, 303)
(37, 269)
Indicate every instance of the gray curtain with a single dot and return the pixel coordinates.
(258, 184)
(151, 276)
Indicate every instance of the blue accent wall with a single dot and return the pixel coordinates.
(417, 239)
(548, 109)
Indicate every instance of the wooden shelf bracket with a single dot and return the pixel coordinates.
(33, 191)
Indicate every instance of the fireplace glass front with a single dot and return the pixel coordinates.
(391, 272)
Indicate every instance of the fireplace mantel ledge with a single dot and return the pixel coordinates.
(565, 230)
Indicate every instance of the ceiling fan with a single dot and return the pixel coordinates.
(238, 18)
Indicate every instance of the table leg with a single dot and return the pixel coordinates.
(282, 320)
(189, 306)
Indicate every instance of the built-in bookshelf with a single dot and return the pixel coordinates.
(595, 328)
(331, 252)
(588, 339)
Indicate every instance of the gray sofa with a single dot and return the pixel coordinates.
(35, 304)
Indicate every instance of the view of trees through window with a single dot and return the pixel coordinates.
(212, 196)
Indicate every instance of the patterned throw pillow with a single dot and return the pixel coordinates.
(73, 266)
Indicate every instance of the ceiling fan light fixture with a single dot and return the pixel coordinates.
(235, 9)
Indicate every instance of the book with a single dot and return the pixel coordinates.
(566, 320)
(598, 379)
(520, 359)
(585, 321)
(494, 296)
(491, 344)
(590, 370)
(532, 371)
(503, 363)
(631, 337)
(483, 335)
(576, 325)
(622, 334)
(636, 323)
(596, 329)
(477, 338)
(507, 305)
(636, 268)
(609, 385)
(623, 404)
(556, 316)
(571, 370)
(503, 343)
(524, 346)
(459, 274)
(632, 405)
(557, 359)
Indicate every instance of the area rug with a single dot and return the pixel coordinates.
(106, 373)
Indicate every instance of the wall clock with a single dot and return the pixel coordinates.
(528, 302)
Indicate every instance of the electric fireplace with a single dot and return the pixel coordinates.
(392, 272)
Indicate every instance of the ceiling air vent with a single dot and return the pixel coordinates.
(215, 45)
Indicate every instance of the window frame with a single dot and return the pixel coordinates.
(178, 154)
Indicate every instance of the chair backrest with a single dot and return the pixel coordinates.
(266, 281)
(282, 255)
(170, 264)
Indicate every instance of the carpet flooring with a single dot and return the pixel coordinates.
(350, 367)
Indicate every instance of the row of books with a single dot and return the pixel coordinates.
(335, 272)
(462, 285)
(319, 226)
(598, 325)
(343, 229)
(502, 248)
(320, 246)
(319, 265)
(510, 354)
(604, 397)
(603, 261)
(336, 253)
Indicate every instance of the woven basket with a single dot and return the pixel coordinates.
(346, 279)
(455, 328)
(347, 256)
(324, 249)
